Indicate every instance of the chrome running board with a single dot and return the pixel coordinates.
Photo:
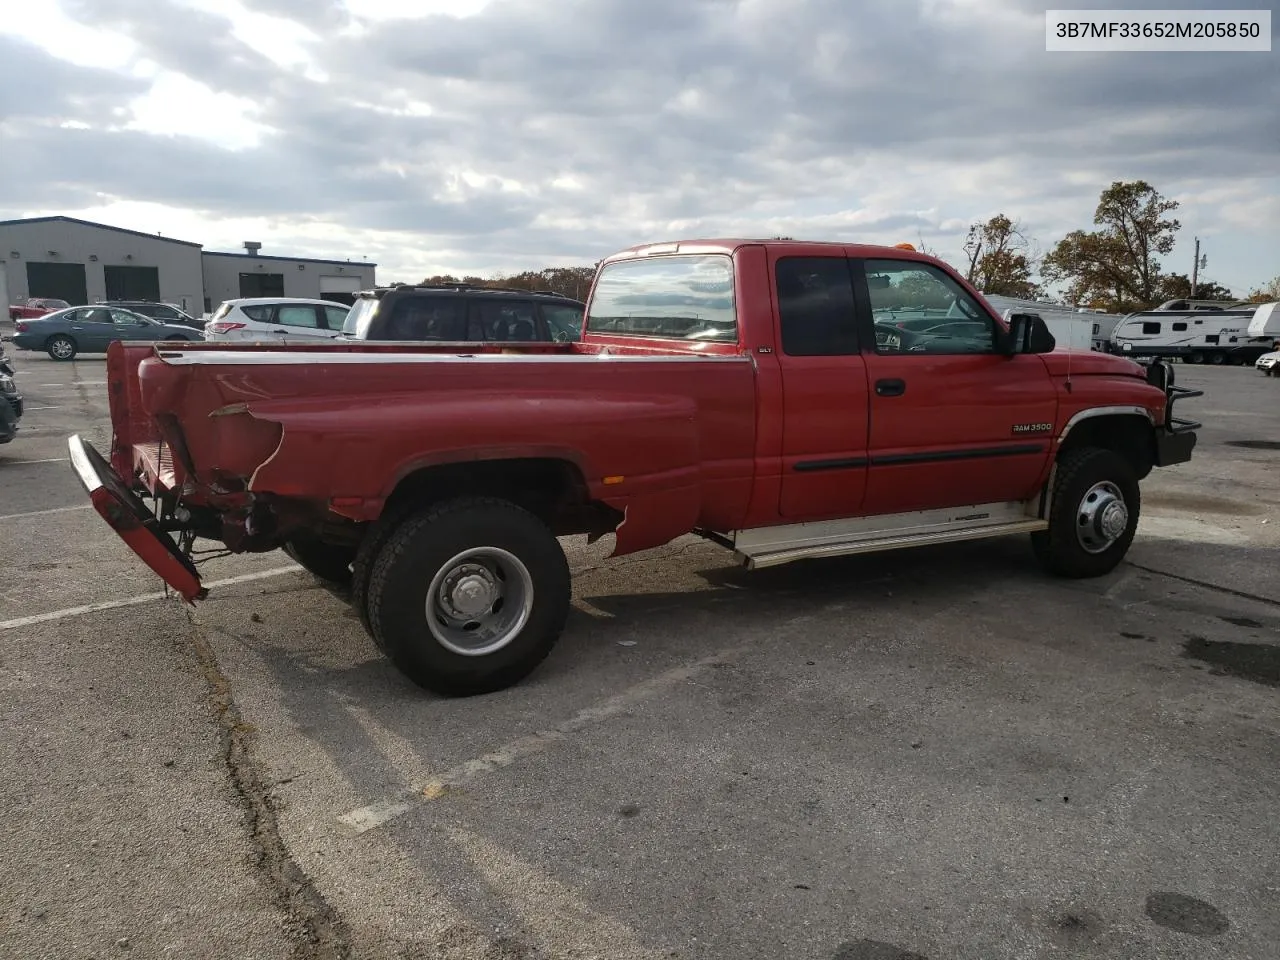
(771, 546)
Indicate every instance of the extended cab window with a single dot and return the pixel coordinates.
(918, 308)
(681, 297)
(815, 306)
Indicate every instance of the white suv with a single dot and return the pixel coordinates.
(276, 319)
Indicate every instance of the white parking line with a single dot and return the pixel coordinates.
(25, 408)
(26, 463)
(44, 513)
(366, 818)
(134, 601)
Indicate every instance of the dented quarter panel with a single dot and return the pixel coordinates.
(673, 429)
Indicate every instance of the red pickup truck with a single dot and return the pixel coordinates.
(785, 399)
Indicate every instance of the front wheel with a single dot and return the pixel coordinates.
(469, 596)
(1093, 516)
(61, 347)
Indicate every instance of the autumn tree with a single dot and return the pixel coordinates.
(1177, 286)
(572, 282)
(1116, 266)
(1000, 259)
(1267, 293)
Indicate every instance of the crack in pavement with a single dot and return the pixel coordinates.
(1256, 598)
(321, 934)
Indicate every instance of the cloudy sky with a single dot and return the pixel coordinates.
(486, 135)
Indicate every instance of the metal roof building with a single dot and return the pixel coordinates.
(85, 262)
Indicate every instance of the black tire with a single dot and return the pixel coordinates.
(375, 538)
(1060, 549)
(61, 347)
(1194, 358)
(329, 562)
(426, 546)
(1216, 359)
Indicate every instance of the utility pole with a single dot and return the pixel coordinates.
(1195, 270)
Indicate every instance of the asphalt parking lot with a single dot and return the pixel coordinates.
(938, 754)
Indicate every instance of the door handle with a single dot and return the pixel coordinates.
(891, 388)
(280, 331)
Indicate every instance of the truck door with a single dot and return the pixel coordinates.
(953, 422)
(824, 387)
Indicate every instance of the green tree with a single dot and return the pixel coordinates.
(1116, 266)
(1000, 259)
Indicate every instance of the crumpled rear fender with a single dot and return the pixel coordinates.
(638, 453)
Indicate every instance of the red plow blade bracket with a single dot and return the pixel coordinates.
(132, 520)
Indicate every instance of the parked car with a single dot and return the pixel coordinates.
(741, 390)
(65, 333)
(36, 307)
(276, 319)
(164, 312)
(463, 313)
(10, 400)
(1269, 364)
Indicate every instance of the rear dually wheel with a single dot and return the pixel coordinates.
(469, 596)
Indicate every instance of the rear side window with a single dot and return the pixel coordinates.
(504, 320)
(815, 306)
(257, 311)
(667, 297)
(295, 315)
(426, 318)
(335, 317)
(564, 321)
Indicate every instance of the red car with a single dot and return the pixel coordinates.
(36, 307)
(768, 395)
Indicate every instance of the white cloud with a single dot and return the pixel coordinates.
(472, 135)
(178, 106)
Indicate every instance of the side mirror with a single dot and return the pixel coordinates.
(1028, 333)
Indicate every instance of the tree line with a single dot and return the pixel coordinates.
(1114, 267)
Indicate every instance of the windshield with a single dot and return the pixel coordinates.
(672, 297)
(357, 322)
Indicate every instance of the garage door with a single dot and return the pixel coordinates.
(132, 283)
(339, 289)
(60, 281)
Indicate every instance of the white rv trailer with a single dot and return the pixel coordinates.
(1195, 331)
(1073, 327)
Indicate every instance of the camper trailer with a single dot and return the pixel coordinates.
(1075, 327)
(1196, 331)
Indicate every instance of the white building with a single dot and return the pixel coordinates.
(84, 262)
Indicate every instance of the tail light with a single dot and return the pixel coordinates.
(19, 327)
(223, 326)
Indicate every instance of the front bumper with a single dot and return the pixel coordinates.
(132, 520)
(1176, 437)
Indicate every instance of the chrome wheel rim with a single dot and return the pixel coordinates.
(1102, 517)
(61, 349)
(479, 601)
